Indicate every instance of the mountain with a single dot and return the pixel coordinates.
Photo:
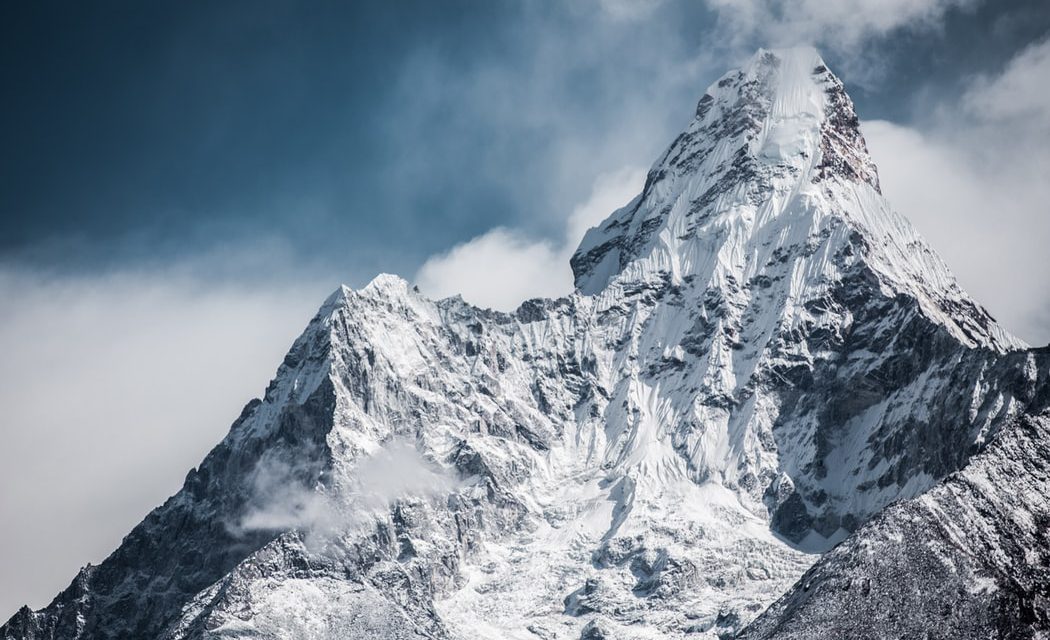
(969, 559)
(761, 360)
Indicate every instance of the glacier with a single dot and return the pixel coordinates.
(764, 382)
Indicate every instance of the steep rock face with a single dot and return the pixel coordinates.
(760, 356)
(968, 559)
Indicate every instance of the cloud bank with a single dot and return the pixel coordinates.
(114, 386)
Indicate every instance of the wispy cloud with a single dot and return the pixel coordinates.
(282, 498)
(839, 25)
(523, 136)
(1019, 96)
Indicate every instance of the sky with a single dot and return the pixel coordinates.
(183, 183)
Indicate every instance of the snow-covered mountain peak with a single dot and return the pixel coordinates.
(770, 182)
(763, 138)
(760, 356)
(808, 115)
(388, 283)
(789, 79)
(385, 292)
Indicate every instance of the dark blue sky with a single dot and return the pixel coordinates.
(365, 136)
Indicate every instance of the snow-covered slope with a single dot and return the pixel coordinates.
(759, 357)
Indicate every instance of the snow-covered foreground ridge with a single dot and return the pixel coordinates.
(760, 357)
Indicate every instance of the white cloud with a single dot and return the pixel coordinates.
(502, 268)
(393, 472)
(1020, 95)
(974, 183)
(113, 388)
(282, 501)
(499, 269)
(609, 192)
(841, 24)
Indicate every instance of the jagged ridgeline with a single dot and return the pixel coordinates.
(759, 358)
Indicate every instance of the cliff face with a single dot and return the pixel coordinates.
(760, 357)
(968, 559)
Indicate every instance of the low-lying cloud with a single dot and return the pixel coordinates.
(114, 386)
(282, 500)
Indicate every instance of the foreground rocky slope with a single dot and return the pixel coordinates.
(968, 559)
(760, 357)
